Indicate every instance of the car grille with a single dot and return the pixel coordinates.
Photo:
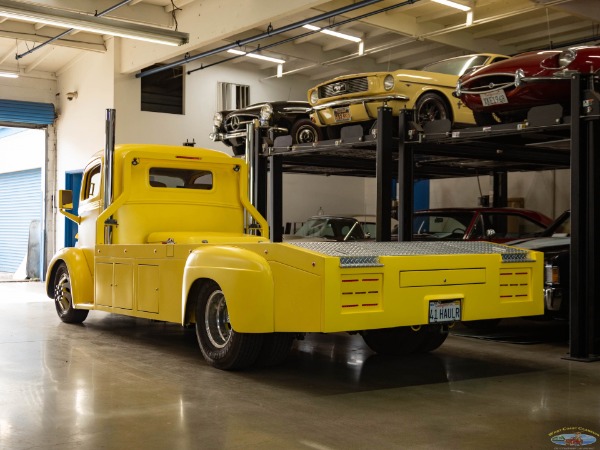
(486, 83)
(344, 87)
(238, 122)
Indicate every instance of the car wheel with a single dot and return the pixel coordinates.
(221, 346)
(63, 298)
(433, 338)
(394, 341)
(430, 107)
(305, 132)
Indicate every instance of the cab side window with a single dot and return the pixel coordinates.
(91, 183)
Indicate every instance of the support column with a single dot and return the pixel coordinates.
(383, 170)
(584, 307)
(405, 183)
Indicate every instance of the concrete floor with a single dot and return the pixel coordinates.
(121, 383)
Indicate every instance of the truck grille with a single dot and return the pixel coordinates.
(349, 86)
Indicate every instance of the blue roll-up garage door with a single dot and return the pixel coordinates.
(20, 204)
(28, 114)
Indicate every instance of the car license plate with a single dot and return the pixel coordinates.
(342, 114)
(441, 311)
(497, 97)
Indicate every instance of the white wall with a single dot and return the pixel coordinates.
(23, 150)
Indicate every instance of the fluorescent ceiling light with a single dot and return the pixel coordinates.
(85, 22)
(8, 74)
(333, 33)
(256, 56)
(452, 4)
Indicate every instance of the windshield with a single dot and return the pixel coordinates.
(337, 228)
(456, 66)
(561, 226)
(441, 226)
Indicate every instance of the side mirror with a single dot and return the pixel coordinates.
(65, 199)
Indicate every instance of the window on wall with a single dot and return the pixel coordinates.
(163, 91)
(232, 96)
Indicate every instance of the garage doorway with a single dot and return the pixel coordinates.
(22, 153)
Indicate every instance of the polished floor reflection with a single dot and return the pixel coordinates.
(121, 383)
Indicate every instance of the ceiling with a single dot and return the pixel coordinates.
(407, 34)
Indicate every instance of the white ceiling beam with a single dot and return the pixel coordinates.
(515, 25)
(40, 57)
(26, 32)
(199, 19)
(178, 4)
(399, 55)
(7, 55)
(144, 13)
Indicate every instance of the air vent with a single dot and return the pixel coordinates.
(515, 285)
(360, 293)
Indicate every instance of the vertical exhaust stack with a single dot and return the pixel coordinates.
(109, 151)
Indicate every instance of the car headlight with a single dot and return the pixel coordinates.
(266, 112)
(458, 89)
(566, 57)
(217, 119)
(314, 96)
(388, 82)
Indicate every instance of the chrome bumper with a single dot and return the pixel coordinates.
(553, 298)
(354, 101)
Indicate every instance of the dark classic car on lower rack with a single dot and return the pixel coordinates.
(281, 117)
(506, 90)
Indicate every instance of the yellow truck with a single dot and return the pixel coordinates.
(168, 233)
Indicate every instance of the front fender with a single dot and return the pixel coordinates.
(244, 277)
(82, 281)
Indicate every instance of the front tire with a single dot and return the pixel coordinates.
(63, 297)
(305, 132)
(431, 106)
(221, 346)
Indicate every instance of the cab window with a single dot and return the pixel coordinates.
(91, 183)
(161, 177)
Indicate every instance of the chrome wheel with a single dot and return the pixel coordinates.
(62, 292)
(216, 320)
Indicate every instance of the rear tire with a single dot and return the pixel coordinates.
(63, 297)
(221, 346)
(433, 338)
(394, 341)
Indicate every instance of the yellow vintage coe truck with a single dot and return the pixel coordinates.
(168, 233)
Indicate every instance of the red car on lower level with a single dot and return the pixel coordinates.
(481, 223)
(505, 91)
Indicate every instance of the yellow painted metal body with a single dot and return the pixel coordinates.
(167, 241)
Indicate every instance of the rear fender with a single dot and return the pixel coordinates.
(82, 282)
(245, 279)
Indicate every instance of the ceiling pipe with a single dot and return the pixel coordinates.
(268, 33)
(69, 31)
(308, 33)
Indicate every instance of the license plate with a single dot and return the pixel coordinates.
(441, 311)
(342, 114)
(497, 97)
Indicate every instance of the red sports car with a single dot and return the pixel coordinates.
(506, 90)
(477, 224)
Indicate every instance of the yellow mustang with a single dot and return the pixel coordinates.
(352, 99)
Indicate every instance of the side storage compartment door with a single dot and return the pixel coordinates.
(123, 286)
(148, 283)
(103, 284)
